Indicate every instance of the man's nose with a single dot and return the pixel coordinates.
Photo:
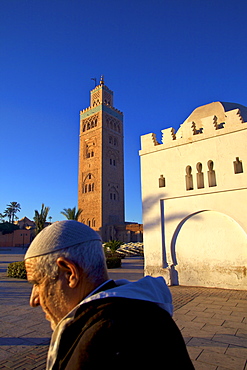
(34, 299)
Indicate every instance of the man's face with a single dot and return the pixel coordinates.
(47, 293)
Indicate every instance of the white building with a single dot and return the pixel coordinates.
(194, 195)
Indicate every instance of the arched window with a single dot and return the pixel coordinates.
(112, 159)
(162, 182)
(113, 194)
(89, 183)
(211, 174)
(189, 178)
(93, 222)
(238, 166)
(199, 176)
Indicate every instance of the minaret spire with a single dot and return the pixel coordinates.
(102, 82)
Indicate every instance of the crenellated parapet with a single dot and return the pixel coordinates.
(89, 108)
(204, 122)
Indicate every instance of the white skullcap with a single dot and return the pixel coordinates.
(62, 234)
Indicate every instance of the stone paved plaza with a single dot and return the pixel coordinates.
(213, 321)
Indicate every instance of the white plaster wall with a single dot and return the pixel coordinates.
(210, 249)
(229, 197)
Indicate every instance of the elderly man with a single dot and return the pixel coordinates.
(98, 322)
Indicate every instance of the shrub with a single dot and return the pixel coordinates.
(113, 262)
(113, 245)
(8, 228)
(17, 270)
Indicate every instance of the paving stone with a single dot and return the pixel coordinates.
(230, 339)
(205, 343)
(203, 366)
(222, 310)
(236, 351)
(206, 315)
(190, 325)
(218, 329)
(240, 310)
(195, 333)
(235, 320)
(178, 316)
(229, 362)
(194, 352)
(242, 333)
(213, 321)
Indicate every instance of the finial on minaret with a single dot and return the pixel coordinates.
(102, 82)
(95, 81)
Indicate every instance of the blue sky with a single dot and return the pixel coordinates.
(161, 58)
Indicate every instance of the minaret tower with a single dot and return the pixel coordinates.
(101, 167)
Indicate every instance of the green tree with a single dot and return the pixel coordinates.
(113, 245)
(40, 218)
(7, 227)
(71, 213)
(2, 216)
(11, 211)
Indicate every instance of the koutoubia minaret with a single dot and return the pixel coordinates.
(101, 163)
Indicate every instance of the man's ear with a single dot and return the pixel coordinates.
(71, 271)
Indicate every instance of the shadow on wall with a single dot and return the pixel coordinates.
(149, 203)
(174, 276)
(151, 222)
(175, 235)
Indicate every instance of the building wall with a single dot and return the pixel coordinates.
(194, 202)
(101, 176)
(18, 238)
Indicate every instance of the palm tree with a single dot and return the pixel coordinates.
(40, 218)
(2, 217)
(11, 211)
(8, 213)
(71, 214)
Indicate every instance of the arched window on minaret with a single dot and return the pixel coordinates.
(89, 183)
(113, 194)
